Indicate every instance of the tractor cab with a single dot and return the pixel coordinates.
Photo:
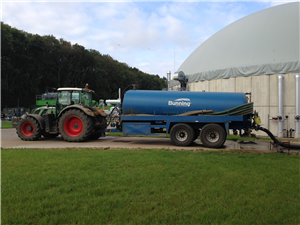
(67, 97)
(73, 96)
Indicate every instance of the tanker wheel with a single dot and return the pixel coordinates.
(75, 126)
(182, 134)
(213, 135)
(29, 129)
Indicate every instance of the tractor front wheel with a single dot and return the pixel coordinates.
(75, 126)
(29, 129)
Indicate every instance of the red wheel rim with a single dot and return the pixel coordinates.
(73, 126)
(27, 128)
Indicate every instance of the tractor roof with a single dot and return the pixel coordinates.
(74, 89)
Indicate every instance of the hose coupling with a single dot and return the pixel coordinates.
(280, 118)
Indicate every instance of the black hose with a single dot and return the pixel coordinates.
(111, 115)
(240, 110)
(123, 93)
(297, 147)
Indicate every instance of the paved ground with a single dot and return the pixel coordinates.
(9, 139)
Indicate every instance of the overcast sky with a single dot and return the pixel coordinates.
(153, 36)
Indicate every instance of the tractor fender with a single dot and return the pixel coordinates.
(85, 110)
(40, 119)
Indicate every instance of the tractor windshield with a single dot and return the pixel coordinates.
(73, 97)
(64, 98)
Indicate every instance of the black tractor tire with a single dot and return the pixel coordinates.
(100, 124)
(75, 126)
(96, 135)
(182, 134)
(213, 136)
(48, 135)
(29, 129)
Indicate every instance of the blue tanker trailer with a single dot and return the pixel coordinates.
(186, 115)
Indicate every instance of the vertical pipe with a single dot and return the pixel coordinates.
(169, 78)
(297, 116)
(268, 121)
(119, 93)
(280, 106)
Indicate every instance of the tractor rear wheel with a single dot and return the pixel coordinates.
(96, 135)
(29, 129)
(75, 126)
(100, 124)
(50, 136)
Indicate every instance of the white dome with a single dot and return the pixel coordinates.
(265, 42)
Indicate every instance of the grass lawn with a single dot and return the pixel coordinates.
(93, 186)
(6, 124)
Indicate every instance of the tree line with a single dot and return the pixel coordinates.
(30, 63)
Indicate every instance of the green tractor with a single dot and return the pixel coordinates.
(73, 115)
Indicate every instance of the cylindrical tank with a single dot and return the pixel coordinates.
(177, 102)
(49, 96)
